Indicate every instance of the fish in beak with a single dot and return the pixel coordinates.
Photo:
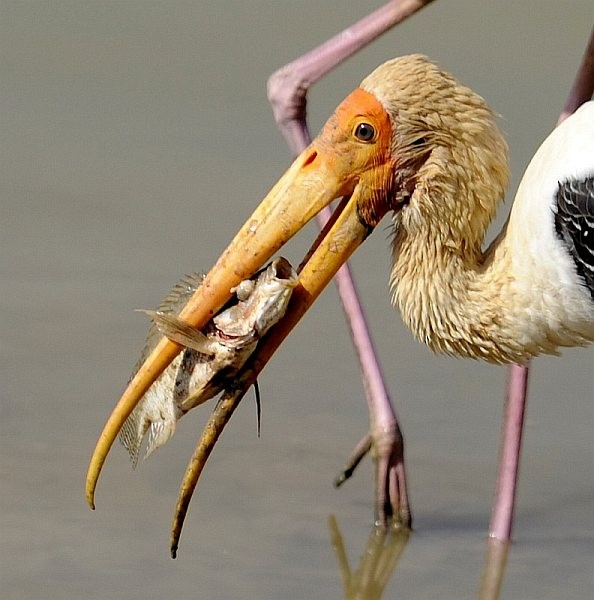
(212, 357)
(351, 159)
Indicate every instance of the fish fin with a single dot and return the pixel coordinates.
(180, 293)
(181, 332)
(132, 433)
(175, 300)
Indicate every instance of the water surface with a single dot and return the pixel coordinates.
(135, 140)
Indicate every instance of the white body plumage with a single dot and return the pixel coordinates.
(559, 306)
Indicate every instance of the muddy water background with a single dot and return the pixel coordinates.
(135, 139)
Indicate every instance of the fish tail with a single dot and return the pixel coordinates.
(160, 432)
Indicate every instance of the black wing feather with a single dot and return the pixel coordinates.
(574, 224)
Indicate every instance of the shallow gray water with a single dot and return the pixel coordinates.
(136, 138)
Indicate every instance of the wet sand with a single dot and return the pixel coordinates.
(136, 138)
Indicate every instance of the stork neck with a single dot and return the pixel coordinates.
(456, 302)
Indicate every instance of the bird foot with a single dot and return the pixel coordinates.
(386, 445)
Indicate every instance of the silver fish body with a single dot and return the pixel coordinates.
(213, 356)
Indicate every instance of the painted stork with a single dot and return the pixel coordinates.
(414, 142)
(287, 93)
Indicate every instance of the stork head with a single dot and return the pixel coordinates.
(448, 135)
(410, 140)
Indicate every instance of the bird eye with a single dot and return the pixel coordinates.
(365, 132)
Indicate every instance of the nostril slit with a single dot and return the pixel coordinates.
(310, 158)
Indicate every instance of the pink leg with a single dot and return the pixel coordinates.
(287, 89)
(583, 85)
(509, 460)
(502, 516)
